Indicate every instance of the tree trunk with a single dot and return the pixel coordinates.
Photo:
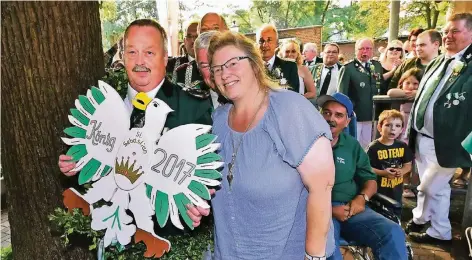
(323, 16)
(51, 53)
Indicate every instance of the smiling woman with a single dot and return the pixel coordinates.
(273, 203)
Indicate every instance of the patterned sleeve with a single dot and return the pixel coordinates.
(294, 125)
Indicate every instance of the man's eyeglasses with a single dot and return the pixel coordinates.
(231, 64)
(365, 49)
(331, 52)
(262, 41)
(395, 49)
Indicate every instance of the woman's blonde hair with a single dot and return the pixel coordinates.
(223, 39)
(296, 46)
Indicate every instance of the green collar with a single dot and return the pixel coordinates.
(341, 140)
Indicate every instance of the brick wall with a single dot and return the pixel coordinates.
(303, 34)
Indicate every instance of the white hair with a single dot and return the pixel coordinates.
(362, 39)
(266, 27)
(310, 46)
(203, 40)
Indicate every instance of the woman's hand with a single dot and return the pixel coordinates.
(66, 165)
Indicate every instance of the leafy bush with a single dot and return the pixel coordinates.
(6, 253)
(75, 229)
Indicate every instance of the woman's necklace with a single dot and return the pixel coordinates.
(230, 175)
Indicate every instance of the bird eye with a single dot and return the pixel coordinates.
(155, 104)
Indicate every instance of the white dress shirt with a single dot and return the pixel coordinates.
(214, 99)
(271, 63)
(132, 93)
(428, 128)
(333, 84)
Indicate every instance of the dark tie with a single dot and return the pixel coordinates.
(428, 93)
(326, 82)
(137, 118)
(308, 62)
(367, 67)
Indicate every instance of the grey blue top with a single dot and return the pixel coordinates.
(263, 216)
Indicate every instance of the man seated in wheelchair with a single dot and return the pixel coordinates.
(354, 185)
(390, 158)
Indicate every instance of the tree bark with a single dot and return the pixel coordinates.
(52, 52)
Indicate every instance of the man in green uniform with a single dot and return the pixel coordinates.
(440, 120)
(145, 58)
(354, 185)
(360, 80)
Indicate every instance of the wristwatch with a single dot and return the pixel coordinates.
(310, 257)
(366, 198)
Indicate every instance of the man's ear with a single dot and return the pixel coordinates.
(347, 122)
(166, 58)
(379, 127)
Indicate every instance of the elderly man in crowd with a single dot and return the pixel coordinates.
(280, 69)
(201, 51)
(440, 119)
(427, 48)
(360, 80)
(212, 22)
(145, 58)
(355, 183)
(326, 74)
(310, 52)
(187, 75)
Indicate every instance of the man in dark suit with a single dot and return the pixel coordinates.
(360, 80)
(284, 71)
(145, 58)
(326, 74)
(440, 120)
(310, 53)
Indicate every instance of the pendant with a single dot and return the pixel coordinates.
(229, 177)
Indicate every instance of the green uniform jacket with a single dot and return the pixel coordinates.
(452, 114)
(352, 169)
(187, 109)
(360, 86)
(406, 65)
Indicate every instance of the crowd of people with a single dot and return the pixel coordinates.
(294, 181)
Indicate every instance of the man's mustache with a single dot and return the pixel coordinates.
(331, 123)
(140, 68)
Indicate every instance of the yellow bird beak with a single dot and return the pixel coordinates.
(141, 101)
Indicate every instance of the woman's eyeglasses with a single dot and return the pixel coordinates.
(231, 65)
(395, 49)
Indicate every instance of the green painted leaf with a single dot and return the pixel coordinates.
(97, 95)
(161, 206)
(86, 104)
(208, 174)
(181, 200)
(208, 158)
(105, 171)
(77, 152)
(88, 171)
(204, 140)
(75, 131)
(79, 116)
(148, 190)
(199, 189)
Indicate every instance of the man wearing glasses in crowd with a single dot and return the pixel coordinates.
(326, 74)
(360, 80)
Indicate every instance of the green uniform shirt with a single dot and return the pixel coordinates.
(352, 169)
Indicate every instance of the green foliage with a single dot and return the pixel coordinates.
(6, 253)
(188, 246)
(118, 80)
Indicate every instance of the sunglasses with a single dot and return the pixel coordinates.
(395, 48)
